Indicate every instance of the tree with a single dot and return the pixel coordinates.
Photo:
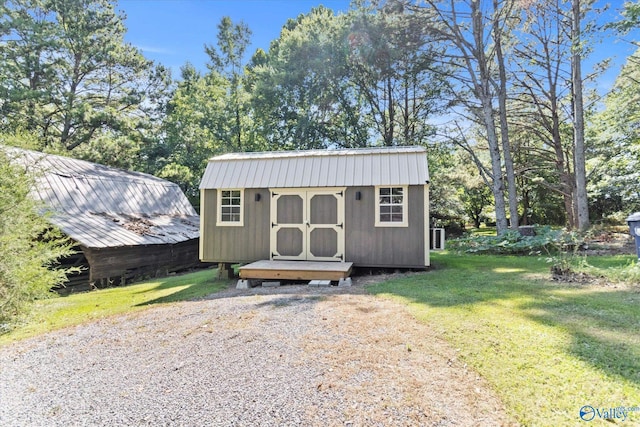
(550, 99)
(582, 206)
(29, 246)
(27, 63)
(303, 96)
(614, 189)
(194, 129)
(393, 64)
(542, 109)
(471, 36)
(225, 59)
(71, 78)
(473, 192)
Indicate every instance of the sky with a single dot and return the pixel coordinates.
(173, 32)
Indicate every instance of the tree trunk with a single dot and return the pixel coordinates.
(504, 127)
(582, 206)
(496, 168)
(483, 92)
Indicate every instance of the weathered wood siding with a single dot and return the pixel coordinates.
(230, 243)
(371, 246)
(132, 261)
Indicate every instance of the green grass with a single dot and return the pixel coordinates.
(546, 348)
(59, 312)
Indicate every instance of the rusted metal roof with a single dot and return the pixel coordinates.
(318, 168)
(101, 207)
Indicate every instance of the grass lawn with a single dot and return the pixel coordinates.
(547, 348)
(59, 312)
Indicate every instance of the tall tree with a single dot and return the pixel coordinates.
(27, 63)
(542, 109)
(550, 101)
(392, 62)
(226, 58)
(302, 93)
(582, 206)
(83, 79)
(193, 130)
(614, 188)
(470, 35)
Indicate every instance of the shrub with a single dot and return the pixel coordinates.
(546, 241)
(29, 246)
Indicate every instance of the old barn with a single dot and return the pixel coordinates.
(125, 224)
(368, 207)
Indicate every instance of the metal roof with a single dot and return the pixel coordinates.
(101, 207)
(318, 168)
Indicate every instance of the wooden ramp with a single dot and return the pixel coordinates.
(296, 270)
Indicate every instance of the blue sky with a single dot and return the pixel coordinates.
(173, 32)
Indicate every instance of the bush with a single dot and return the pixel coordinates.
(29, 246)
(546, 241)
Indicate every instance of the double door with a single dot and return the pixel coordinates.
(307, 224)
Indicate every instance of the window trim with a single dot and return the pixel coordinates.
(219, 221)
(405, 203)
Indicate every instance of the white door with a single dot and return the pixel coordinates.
(307, 224)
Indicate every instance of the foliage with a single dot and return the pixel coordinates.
(540, 344)
(363, 78)
(546, 241)
(194, 129)
(615, 159)
(29, 246)
(630, 18)
(302, 95)
(61, 312)
(226, 60)
(69, 77)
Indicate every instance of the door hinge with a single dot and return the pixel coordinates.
(341, 225)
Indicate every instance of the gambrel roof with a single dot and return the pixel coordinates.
(318, 168)
(100, 206)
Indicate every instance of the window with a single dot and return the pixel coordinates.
(391, 207)
(230, 202)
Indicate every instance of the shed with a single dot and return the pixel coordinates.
(125, 223)
(367, 206)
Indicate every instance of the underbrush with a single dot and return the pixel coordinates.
(546, 241)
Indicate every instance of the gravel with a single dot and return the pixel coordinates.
(288, 356)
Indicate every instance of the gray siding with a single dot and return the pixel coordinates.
(371, 246)
(236, 244)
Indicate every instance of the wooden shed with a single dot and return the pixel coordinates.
(369, 207)
(125, 223)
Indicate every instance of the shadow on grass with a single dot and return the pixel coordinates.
(603, 322)
(188, 287)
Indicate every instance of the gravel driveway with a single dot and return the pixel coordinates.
(291, 356)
